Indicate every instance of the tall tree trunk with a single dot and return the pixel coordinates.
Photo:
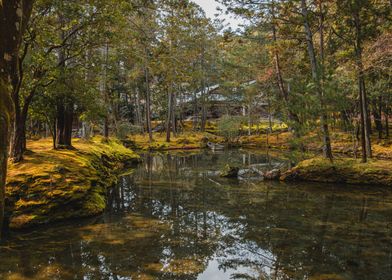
(64, 121)
(279, 77)
(60, 120)
(250, 118)
(14, 16)
(203, 94)
(103, 89)
(19, 136)
(169, 116)
(195, 111)
(18, 143)
(148, 101)
(69, 112)
(377, 114)
(64, 127)
(54, 133)
(327, 150)
(64, 108)
(203, 108)
(386, 114)
(174, 114)
(365, 141)
(139, 115)
(6, 115)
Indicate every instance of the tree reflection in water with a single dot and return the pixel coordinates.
(175, 218)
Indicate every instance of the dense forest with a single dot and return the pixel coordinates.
(77, 69)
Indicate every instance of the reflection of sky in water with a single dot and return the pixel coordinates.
(175, 218)
(213, 272)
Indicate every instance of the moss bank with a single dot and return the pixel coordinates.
(53, 185)
(184, 141)
(345, 170)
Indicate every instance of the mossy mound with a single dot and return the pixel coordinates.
(348, 171)
(183, 141)
(229, 171)
(53, 185)
(278, 140)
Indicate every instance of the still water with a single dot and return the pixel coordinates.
(175, 218)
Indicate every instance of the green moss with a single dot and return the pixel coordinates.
(95, 203)
(184, 141)
(343, 170)
(229, 171)
(56, 185)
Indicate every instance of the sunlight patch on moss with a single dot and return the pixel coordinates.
(51, 185)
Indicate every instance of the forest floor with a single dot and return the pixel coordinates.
(342, 143)
(52, 185)
(183, 141)
(347, 166)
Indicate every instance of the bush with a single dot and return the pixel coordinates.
(124, 129)
(229, 127)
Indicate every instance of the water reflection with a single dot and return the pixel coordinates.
(175, 218)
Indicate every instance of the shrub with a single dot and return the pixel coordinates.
(124, 129)
(229, 127)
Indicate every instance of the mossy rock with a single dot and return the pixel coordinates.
(229, 171)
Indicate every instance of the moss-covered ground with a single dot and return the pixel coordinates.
(342, 170)
(183, 141)
(52, 185)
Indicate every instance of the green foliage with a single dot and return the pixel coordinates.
(124, 129)
(229, 127)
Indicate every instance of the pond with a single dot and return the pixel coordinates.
(175, 218)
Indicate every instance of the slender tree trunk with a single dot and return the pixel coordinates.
(169, 116)
(174, 114)
(148, 102)
(366, 142)
(377, 114)
(279, 77)
(139, 115)
(249, 119)
(363, 127)
(54, 133)
(19, 136)
(203, 110)
(386, 123)
(195, 111)
(103, 89)
(327, 150)
(203, 95)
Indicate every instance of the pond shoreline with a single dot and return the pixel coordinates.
(76, 186)
(64, 184)
(342, 170)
